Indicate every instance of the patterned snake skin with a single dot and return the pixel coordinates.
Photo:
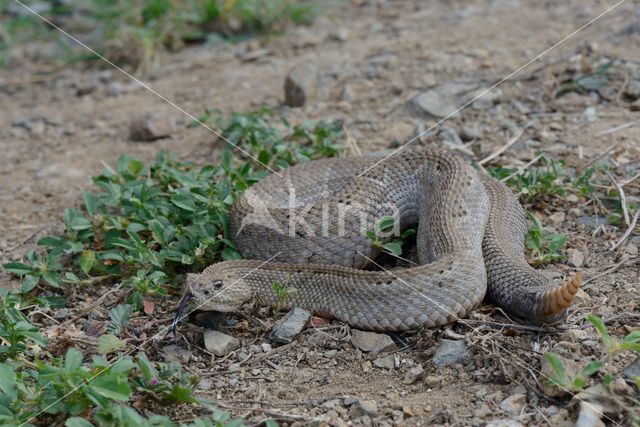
(310, 225)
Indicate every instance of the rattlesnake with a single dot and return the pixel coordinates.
(310, 224)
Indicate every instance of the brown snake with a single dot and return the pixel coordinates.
(312, 222)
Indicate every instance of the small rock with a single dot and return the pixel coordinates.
(340, 34)
(482, 412)
(575, 258)
(557, 218)
(371, 341)
(330, 354)
(173, 353)
(367, 366)
(578, 334)
(433, 380)
(290, 326)
(469, 133)
(635, 106)
(152, 126)
(449, 352)
(514, 404)
(205, 384)
(362, 408)
(633, 370)
(266, 347)
(347, 94)
(385, 362)
(633, 90)
(590, 413)
(547, 373)
(504, 423)
(413, 375)
(631, 249)
(590, 114)
(432, 105)
(302, 84)
(572, 198)
(218, 343)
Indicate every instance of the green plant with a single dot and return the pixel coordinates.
(548, 179)
(279, 145)
(544, 246)
(612, 346)
(282, 291)
(17, 334)
(387, 237)
(587, 81)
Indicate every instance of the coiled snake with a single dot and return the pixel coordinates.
(311, 222)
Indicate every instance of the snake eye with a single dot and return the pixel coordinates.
(217, 284)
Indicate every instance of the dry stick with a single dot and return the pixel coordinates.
(601, 155)
(627, 233)
(521, 170)
(92, 306)
(623, 198)
(502, 149)
(617, 128)
(630, 180)
(587, 283)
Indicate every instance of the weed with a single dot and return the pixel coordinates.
(282, 291)
(549, 179)
(138, 31)
(387, 237)
(544, 246)
(611, 346)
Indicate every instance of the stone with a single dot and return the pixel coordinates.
(266, 347)
(372, 342)
(575, 258)
(218, 343)
(589, 416)
(173, 353)
(482, 411)
(635, 106)
(433, 380)
(152, 126)
(330, 354)
(547, 373)
(290, 326)
(469, 133)
(557, 218)
(432, 104)
(303, 83)
(413, 375)
(591, 114)
(385, 362)
(631, 249)
(572, 198)
(633, 370)
(514, 404)
(633, 90)
(363, 408)
(347, 94)
(504, 423)
(449, 352)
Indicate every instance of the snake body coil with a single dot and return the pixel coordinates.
(311, 222)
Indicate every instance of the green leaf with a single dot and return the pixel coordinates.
(119, 318)
(79, 223)
(8, 383)
(53, 278)
(394, 248)
(18, 268)
(77, 422)
(109, 343)
(73, 360)
(557, 366)
(87, 261)
(90, 202)
(184, 202)
(112, 386)
(592, 368)
(598, 323)
(386, 223)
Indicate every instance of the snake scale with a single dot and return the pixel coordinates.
(306, 229)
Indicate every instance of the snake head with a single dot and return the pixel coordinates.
(218, 288)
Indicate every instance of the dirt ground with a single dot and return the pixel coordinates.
(56, 130)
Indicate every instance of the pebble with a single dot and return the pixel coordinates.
(469, 133)
(633, 370)
(449, 352)
(590, 114)
(218, 343)
(575, 258)
(266, 347)
(514, 404)
(330, 354)
(432, 104)
(557, 218)
(590, 413)
(635, 106)
(372, 342)
(302, 84)
(152, 126)
(482, 412)
(631, 249)
(572, 198)
(385, 362)
(633, 90)
(433, 380)
(363, 408)
(413, 375)
(504, 423)
(173, 353)
(547, 372)
(290, 326)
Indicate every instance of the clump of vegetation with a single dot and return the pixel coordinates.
(137, 31)
(145, 227)
(544, 246)
(282, 292)
(607, 374)
(387, 237)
